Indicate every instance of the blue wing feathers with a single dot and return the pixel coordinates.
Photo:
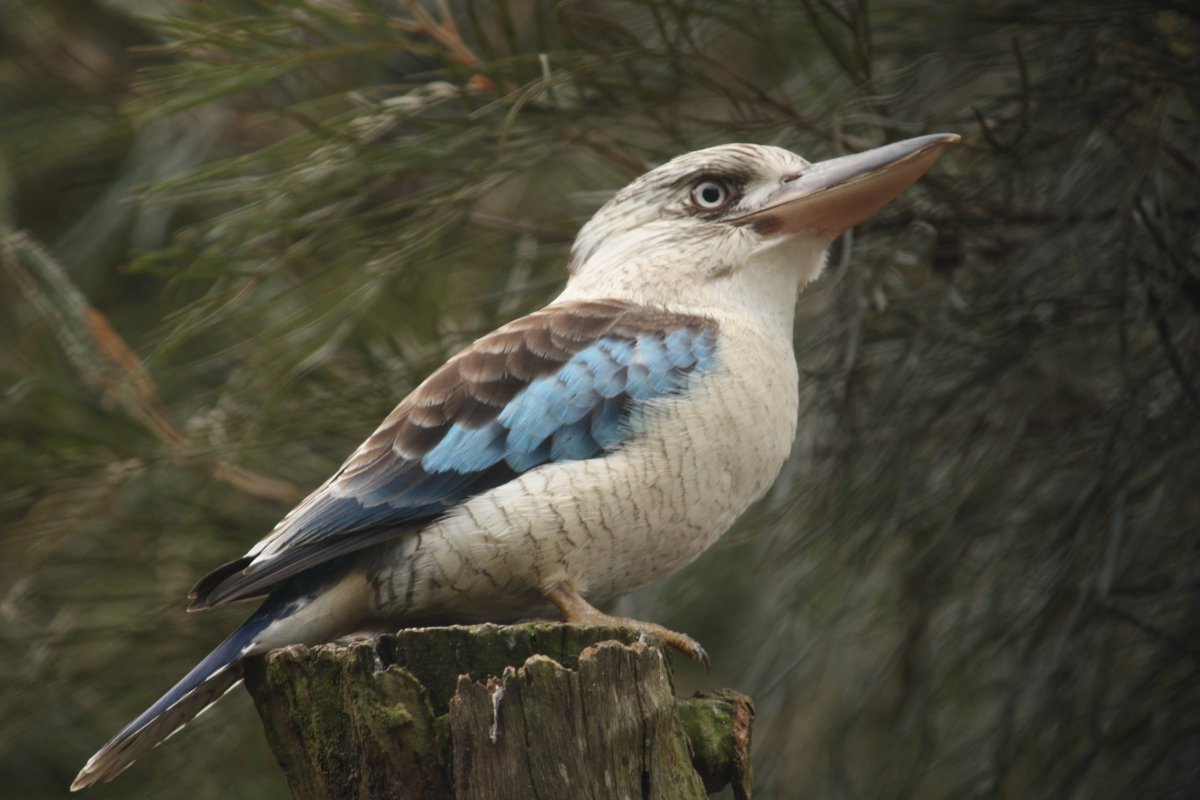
(606, 423)
(574, 443)
(679, 348)
(604, 370)
(467, 449)
(706, 350)
(529, 418)
(574, 413)
(560, 386)
(523, 461)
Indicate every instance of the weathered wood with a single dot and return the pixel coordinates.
(487, 712)
(717, 726)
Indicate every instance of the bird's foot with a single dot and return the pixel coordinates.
(575, 609)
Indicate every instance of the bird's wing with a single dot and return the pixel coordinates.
(557, 385)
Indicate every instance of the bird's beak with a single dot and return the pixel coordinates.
(828, 197)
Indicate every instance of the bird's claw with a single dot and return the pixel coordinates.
(575, 609)
(686, 645)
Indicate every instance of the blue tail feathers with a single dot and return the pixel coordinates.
(216, 674)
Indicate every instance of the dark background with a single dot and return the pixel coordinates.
(236, 233)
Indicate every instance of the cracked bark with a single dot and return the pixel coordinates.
(539, 710)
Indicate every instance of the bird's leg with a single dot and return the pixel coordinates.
(575, 609)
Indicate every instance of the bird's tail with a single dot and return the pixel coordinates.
(220, 671)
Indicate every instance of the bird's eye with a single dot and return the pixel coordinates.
(711, 195)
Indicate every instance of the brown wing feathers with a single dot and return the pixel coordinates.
(470, 390)
(474, 386)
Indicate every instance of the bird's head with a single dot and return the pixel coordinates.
(738, 221)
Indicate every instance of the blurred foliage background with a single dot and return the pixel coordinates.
(236, 232)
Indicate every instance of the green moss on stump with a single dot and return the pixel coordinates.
(490, 711)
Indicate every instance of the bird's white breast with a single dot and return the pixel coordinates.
(614, 523)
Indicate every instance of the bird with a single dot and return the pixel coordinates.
(592, 447)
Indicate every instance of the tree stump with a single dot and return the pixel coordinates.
(498, 713)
